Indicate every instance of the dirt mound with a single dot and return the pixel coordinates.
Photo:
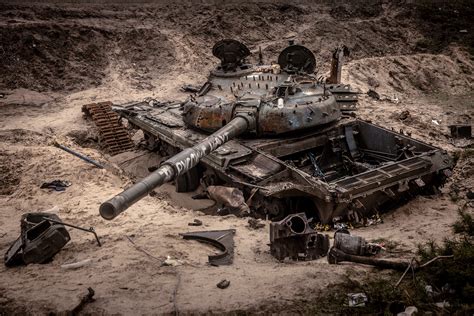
(52, 57)
(140, 44)
(142, 54)
(427, 73)
(65, 57)
(11, 167)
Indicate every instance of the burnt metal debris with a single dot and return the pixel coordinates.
(42, 236)
(279, 134)
(354, 245)
(221, 239)
(293, 238)
(336, 256)
(348, 248)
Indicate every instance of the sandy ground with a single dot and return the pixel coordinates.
(38, 109)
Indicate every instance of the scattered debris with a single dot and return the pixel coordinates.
(190, 88)
(435, 122)
(404, 115)
(42, 236)
(76, 265)
(88, 298)
(196, 222)
(81, 156)
(223, 284)
(293, 238)
(357, 299)
(373, 220)
(254, 223)
(57, 185)
(461, 131)
(429, 290)
(409, 311)
(373, 94)
(155, 103)
(443, 304)
(172, 262)
(221, 239)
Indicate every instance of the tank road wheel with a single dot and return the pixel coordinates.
(188, 182)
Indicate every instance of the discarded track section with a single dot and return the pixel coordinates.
(112, 134)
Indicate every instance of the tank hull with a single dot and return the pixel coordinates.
(358, 168)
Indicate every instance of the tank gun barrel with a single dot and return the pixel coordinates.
(176, 166)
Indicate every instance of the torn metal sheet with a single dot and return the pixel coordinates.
(221, 239)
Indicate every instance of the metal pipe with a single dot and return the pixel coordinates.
(175, 166)
(78, 155)
(335, 256)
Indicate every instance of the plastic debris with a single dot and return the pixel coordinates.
(57, 185)
(172, 262)
(409, 311)
(357, 299)
(443, 304)
(76, 265)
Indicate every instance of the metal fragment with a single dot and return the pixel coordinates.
(293, 238)
(221, 239)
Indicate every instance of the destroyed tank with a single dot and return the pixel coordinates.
(283, 136)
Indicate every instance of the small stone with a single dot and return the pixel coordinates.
(223, 284)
